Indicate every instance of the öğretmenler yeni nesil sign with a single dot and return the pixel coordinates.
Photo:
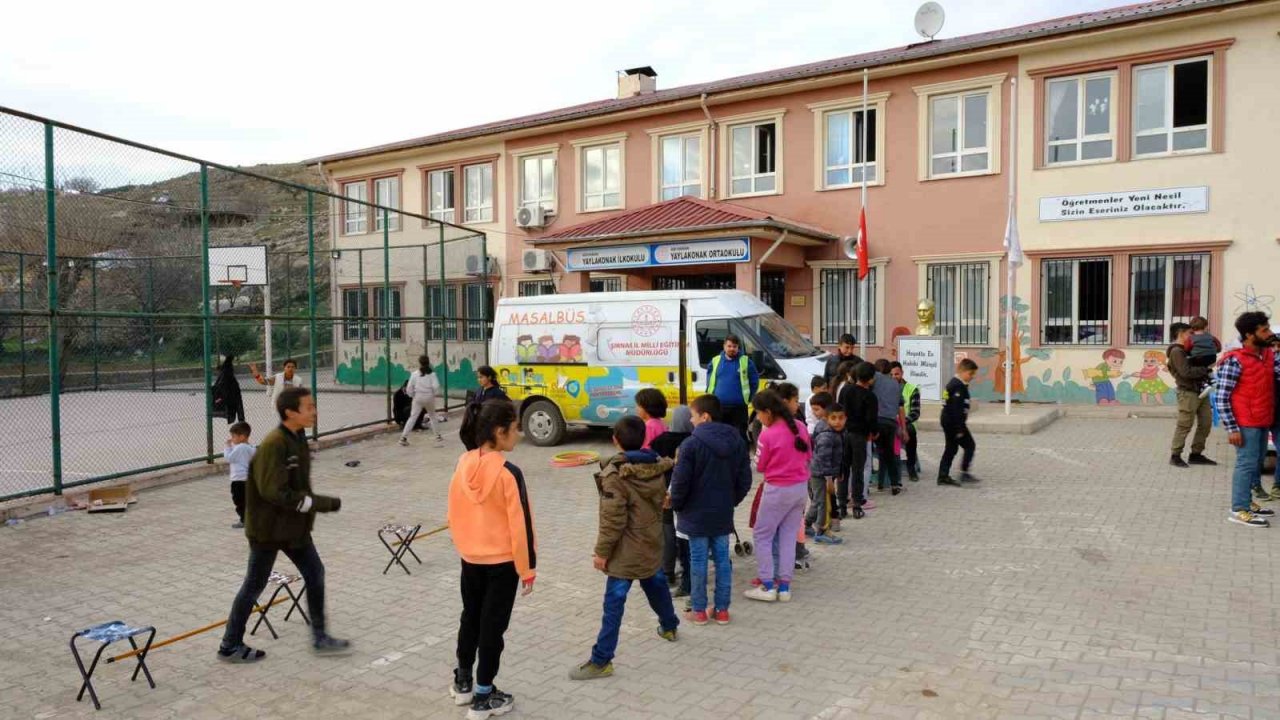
(1129, 203)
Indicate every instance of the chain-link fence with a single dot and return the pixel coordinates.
(133, 280)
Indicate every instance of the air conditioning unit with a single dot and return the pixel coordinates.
(533, 261)
(531, 217)
(481, 265)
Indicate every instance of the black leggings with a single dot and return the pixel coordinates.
(237, 497)
(956, 437)
(488, 593)
(913, 459)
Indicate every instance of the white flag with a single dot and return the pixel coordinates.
(1011, 244)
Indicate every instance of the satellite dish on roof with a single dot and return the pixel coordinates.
(929, 19)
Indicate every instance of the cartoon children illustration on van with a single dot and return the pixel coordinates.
(1112, 366)
(1149, 384)
(548, 351)
(571, 349)
(526, 351)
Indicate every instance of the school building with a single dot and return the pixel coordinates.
(1142, 139)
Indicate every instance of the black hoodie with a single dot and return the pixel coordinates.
(227, 401)
(712, 475)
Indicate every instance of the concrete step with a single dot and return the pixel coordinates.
(1025, 419)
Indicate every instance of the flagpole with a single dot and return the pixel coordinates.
(1011, 315)
(862, 284)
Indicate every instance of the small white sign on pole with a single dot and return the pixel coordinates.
(927, 362)
(1128, 203)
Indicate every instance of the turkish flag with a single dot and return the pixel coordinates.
(864, 261)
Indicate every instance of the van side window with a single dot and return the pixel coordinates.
(711, 335)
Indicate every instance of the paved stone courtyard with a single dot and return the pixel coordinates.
(1083, 578)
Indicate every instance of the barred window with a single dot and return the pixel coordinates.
(442, 312)
(1076, 301)
(959, 292)
(479, 301)
(606, 284)
(840, 295)
(533, 288)
(1165, 289)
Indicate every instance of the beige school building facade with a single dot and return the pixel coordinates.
(1144, 145)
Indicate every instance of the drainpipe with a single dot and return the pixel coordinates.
(711, 137)
(766, 255)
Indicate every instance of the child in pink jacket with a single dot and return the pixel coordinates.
(783, 459)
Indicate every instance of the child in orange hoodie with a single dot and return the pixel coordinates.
(492, 528)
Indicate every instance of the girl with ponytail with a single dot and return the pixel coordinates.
(783, 459)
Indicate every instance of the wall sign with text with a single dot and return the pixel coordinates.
(697, 252)
(1131, 203)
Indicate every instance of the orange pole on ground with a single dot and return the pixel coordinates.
(185, 635)
(417, 535)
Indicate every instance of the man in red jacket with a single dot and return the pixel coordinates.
(1245, 400)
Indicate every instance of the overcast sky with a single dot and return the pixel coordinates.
(242, 82)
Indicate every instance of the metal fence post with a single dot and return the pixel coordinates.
(444, 325)
(489, 308)
(22, 322)
(204, 312)
(386, 303)
(93, 300)
(426, 310)
(362, 305)
(51, 257)
(151, 321)
(311, 302)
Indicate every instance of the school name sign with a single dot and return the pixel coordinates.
(701, 252)
(1133, 203)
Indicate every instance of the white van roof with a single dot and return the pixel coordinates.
(736, 302)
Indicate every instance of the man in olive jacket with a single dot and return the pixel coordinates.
(280, 510)
(632, 487)
(1193, 408)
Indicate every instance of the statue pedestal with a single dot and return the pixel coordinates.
(928, 361)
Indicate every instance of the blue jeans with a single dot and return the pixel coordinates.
(719, 547)
(615, 601)
(1248, 466)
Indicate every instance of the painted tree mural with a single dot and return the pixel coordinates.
(1021, 337)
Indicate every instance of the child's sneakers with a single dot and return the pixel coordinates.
(967, 477)
(591, 671)
(869, 505)
(762, 594)
(461, 689)
(784, 592)
(722, 617)
(859, 513)
(404, 442)
(493, 703)
(669, 635)
(698, 617)
(828, 539)
(809, 531)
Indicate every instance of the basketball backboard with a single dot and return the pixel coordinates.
(243, 264)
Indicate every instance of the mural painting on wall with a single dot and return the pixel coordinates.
(459, 371)
(991, 361)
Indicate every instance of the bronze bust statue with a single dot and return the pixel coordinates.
(924, 313)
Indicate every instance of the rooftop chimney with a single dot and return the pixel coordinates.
(637, 81)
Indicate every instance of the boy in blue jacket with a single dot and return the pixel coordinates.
(711, 477)
(824, 468)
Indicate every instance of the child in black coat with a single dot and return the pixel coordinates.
(674, 546)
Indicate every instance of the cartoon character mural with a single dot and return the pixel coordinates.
(571, 349)
(1149, 384)
(526, 351)
(548, 351)
(1112, 366)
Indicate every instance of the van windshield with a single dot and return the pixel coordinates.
(779, 337)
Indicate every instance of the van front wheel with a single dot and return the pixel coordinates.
(543, 424)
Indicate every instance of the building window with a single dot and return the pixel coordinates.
(840, 296)
(532, 288)
(1165, 289)
(753, 152)
(1076, 301)
(845, 163)
(479, 301)
(960, 295)
(681, 166)
(1078, 119)
(478, 199)
(538, 181)
(386, 192)
(442, 312)
(355, 311)
(606, 284)
(359, 324)
(602, 177)
(1171, 107)
(440, 195)
(354, 210)
(959, 134)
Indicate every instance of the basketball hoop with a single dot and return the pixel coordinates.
(235, 284)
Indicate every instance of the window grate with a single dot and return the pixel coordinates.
(1165, 289)
(960, 295)
(840, 297)
(1075, 301)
